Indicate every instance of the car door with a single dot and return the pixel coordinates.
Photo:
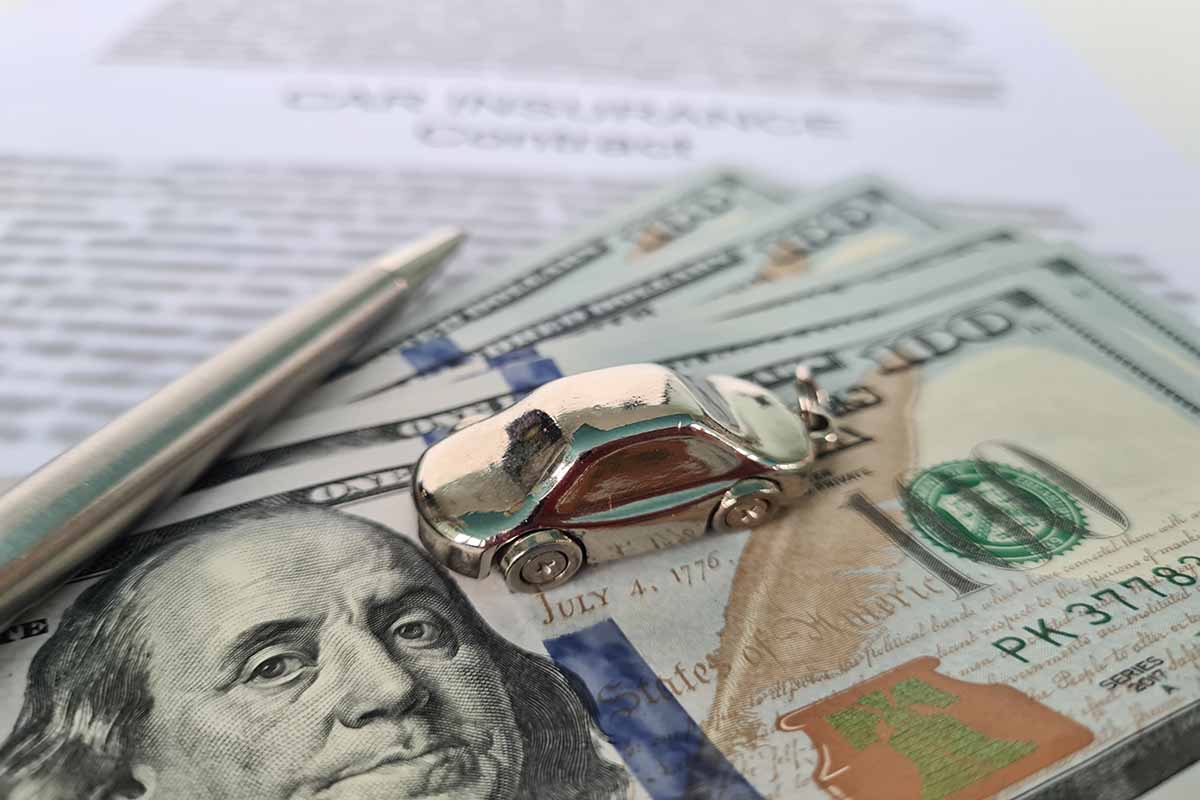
(634, 478)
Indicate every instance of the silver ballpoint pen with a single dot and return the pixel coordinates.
(75, 505)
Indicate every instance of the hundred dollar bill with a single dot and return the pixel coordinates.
(828, 229)
(712, 201)
(929, 274)
(400, 413)
(287, 638)
(650, 341)
(709, 201)
(988, 591)
(863, 287)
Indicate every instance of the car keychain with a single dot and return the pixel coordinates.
(607, 464)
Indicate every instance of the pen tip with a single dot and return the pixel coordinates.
(418, 260)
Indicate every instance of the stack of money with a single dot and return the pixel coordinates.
(989, 590)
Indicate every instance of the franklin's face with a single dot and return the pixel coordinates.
(314, 656)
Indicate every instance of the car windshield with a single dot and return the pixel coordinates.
(535, 443)
(711, 401)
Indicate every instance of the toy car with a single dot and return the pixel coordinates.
(610, 463)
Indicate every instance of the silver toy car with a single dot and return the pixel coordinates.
(606, 464)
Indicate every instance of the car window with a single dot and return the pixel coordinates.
(646, 469)
(711, 401)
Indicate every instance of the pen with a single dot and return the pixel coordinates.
(69, 509)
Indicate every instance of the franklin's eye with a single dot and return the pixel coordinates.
(276, 669)
(417, 630)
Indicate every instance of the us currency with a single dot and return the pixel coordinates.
(289, 639)
(870, 286)
(423, 402)
(826, 230)
(695, 207)
(400, 414)
(988, 591)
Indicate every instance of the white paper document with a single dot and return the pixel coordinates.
(173, 173)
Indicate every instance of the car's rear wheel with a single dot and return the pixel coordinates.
(540, 561)
(747, 504)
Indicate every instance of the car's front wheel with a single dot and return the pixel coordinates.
(540, 561)
(747, 504)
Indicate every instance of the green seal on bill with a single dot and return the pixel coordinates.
(994, 512)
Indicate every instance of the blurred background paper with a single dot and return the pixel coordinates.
(1144, 51)
(174, 172)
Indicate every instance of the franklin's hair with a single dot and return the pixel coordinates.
(87, 695)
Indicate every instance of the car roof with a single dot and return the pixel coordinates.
(617, 396)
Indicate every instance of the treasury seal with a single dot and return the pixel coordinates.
(996, 511)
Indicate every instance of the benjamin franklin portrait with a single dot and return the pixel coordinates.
(299, 653)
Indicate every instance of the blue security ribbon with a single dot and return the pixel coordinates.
(434, 436)
(662, 745)
(428, 356)
(525, 376)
